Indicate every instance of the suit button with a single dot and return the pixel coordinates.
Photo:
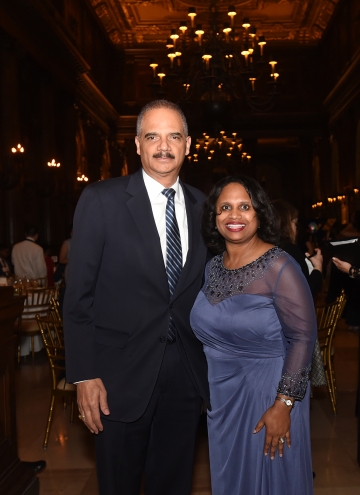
(162, 339)
(171, 306)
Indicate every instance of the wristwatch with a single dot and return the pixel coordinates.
(288, 402)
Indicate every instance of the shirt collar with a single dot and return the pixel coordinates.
(154, 188)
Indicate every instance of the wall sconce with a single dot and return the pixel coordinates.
(53, 163)
(18, 149)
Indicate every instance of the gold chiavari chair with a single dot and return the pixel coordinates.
(54, 309)
(37, 301)
(53, 338)
(327, 316)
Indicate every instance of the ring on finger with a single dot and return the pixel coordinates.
(81, 417)
(281, 440)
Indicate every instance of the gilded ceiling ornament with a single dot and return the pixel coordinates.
(128, 22)
(222, 6)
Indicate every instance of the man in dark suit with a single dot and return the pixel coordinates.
(134, 272)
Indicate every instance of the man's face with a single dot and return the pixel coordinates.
(162, 145)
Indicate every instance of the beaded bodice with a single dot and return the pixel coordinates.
(223, 283)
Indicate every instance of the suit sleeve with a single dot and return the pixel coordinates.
(84, 263)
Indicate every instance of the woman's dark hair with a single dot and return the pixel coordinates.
(268, 229)
(286, 212)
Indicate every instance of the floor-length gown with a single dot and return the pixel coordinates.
(258, 327)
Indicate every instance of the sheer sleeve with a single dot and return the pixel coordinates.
(295, 308)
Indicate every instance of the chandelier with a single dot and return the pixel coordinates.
(221, 149)
(224, 62)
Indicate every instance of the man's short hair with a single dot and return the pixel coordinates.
(160, 104)
(31, 231)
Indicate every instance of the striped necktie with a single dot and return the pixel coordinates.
(173, 251)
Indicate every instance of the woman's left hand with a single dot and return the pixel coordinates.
(277, 421)
(343, 266)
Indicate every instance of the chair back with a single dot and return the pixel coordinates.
(37, 301)
(54, 310)
(327, 316)
(40, 282)
(53, 338)
(327, 319)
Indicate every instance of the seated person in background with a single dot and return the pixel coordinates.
(28, 257)
(311, 267)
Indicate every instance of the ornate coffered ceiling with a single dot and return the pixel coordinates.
(144, 23)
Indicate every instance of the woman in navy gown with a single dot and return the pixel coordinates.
(256, 319)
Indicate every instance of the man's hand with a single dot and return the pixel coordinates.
(91, 397)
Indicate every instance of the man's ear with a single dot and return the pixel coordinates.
(188, 144)
(137, 142)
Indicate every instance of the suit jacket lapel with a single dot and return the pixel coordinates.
(140, 208)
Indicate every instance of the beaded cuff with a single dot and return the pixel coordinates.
(223, 283)
(295, 385)
(354, 272)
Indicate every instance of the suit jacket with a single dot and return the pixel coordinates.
(117, 306)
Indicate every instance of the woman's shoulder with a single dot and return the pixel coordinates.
(282, 258)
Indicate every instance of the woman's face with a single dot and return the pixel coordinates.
(236, 218)
(294, 223)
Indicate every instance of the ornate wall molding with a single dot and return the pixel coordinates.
(140, 22)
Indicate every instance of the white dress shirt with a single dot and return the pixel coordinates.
(28, 259)
(158, 205)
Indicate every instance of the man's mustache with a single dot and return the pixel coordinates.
(163, 154)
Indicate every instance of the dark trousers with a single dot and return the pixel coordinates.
(161, 443)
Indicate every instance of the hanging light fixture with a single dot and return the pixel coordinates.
(222, 62)
(18, 149)
(222, 149)
(53, 163)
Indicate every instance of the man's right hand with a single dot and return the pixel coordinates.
(91, 398)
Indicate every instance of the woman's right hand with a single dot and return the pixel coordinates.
(343, 266)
